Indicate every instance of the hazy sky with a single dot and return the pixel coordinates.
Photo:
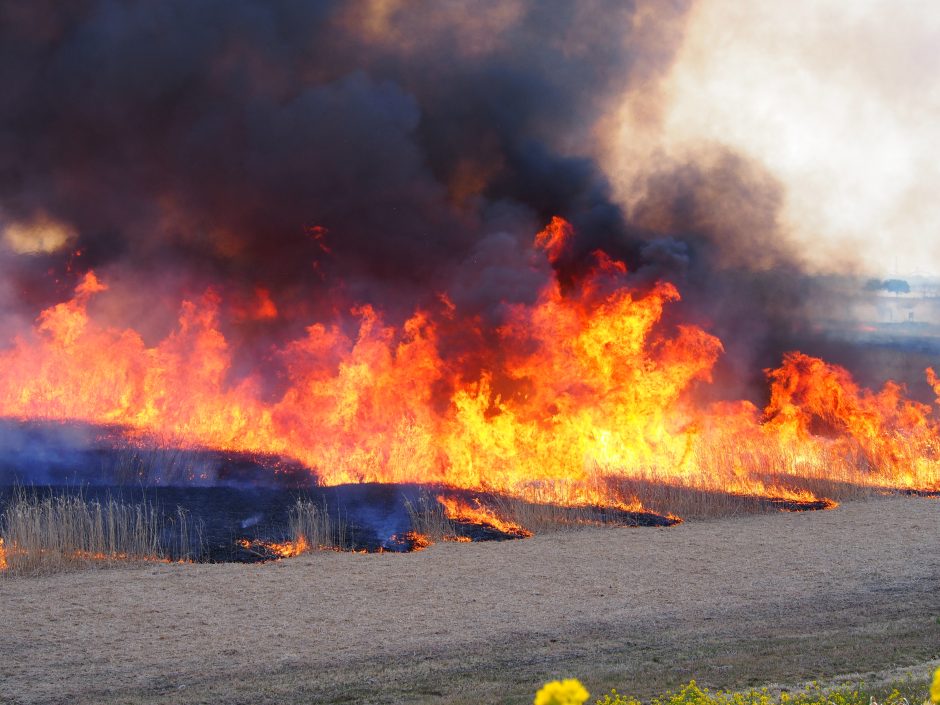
(839, 100)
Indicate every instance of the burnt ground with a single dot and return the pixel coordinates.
(374, 516)
(753, 600)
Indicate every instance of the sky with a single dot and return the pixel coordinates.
(838, 101)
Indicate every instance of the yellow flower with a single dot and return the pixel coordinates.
(566, 692)
(935, 688)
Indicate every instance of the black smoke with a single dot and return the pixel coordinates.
(332, 152)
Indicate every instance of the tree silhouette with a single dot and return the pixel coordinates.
(897, 286)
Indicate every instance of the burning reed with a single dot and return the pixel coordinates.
(62, 532)
(348, 256)
(592, 392)
(429, 519)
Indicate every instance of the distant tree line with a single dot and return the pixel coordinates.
(895, 286)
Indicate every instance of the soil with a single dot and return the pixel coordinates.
(779, 598)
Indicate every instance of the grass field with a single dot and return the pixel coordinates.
(778, 599)
(45, 533)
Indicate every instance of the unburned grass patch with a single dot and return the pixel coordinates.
(312, 525)
(51, 533)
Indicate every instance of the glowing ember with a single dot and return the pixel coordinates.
(99, 556)
(578, 393)
(3, 556)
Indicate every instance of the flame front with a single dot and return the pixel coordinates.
(14, 554)
(476, 513)
(573, 396)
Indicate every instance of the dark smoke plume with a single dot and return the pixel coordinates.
(330, 152)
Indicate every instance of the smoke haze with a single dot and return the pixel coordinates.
(298, 159)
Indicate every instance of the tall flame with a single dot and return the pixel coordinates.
(586, 390)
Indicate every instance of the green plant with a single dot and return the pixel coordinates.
(814, 694)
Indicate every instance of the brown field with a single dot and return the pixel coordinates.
(752, 600)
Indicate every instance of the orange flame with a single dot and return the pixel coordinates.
(476, 513)
(260, 308)
(554, 238)
(285, 549)
(585, 391)
(13, 552)
(417, 541)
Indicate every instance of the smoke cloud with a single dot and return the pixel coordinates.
(298, 158)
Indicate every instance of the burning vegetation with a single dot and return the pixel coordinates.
(571, 400)
(273, 549)
(273, 232)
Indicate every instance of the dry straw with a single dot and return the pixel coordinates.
(52, 533)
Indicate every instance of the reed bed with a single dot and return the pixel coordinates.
(167, 464)
(720, 486)
(429, 519)
(543, 518)
(54, 533)
(313, 527)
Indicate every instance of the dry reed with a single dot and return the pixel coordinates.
(541, 518)
(428, 518)
(312, 525)
(62, 532)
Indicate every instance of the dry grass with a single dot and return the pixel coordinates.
(545, 518)
(724, 480)
(311, 525)
(167, 464)
(49, 534)
(429, 519)
(760, 599)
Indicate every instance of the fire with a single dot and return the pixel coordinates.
(415, 540)
(572, 398)
(817, 407)
(476, 513)
(14, 554)
(284, 549)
